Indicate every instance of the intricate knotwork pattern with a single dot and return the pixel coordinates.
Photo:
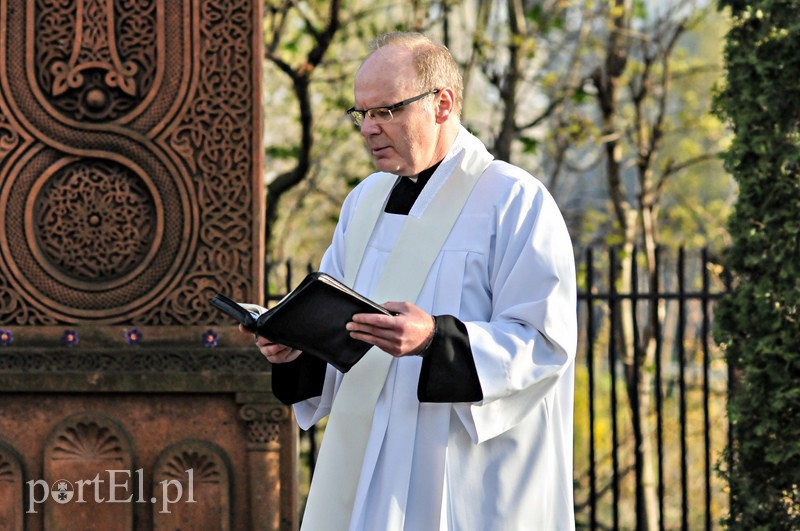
(94, 56)
(95, 221)
(9, 138)
(153, 360)
(214, 141)
(11, 304)
(155, 93)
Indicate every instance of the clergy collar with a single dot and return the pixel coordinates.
(425, 175)
(406, 191)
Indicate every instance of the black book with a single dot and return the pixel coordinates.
(311, 318)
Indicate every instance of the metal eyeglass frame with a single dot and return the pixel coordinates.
(358, 115)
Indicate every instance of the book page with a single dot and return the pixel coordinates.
(254, 309)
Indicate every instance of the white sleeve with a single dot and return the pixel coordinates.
(529, 343)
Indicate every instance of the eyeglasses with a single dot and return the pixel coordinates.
(381, 115)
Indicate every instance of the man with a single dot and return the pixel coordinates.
(462, 417)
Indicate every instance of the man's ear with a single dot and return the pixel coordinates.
(445, 105)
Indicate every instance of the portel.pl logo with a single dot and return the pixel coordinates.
(118, 491)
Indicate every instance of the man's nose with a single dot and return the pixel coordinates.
(369, 127)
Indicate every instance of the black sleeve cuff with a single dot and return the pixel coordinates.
(298, 380)
(448, 371)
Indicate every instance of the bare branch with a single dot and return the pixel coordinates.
(301, 80)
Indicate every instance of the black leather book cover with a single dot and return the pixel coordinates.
(311, 318)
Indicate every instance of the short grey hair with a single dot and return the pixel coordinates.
(434, 62)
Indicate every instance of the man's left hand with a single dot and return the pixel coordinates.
(404, 334)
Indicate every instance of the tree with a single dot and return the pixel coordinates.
(759, 323)
(639, 60)
(319, 36)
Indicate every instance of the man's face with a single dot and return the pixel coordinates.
(409, 143)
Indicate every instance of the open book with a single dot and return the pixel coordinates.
(311, 318)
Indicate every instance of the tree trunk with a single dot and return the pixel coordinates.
(638, 379)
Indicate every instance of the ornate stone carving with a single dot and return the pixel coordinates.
(9, 137)
(205, 469)
(130, 164)
(270, 451)
(8, 472)
(128, 160)
(264, 423)
(194, 477)
(95, 221)
(84, 452)
(87, 440)
(153, 360)
(95, 56)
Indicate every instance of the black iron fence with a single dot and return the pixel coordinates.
(650, 395)
(651, 342)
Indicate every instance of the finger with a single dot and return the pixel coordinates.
(262, 342)
(371, 334)
(363, 328)
(282, 355)
(377, 320)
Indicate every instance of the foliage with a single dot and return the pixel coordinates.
(312, 151)
(547, 124)
(759, 324)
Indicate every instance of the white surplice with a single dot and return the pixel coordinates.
(506, 271)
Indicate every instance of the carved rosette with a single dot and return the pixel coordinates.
(95, 222)
(127, 160)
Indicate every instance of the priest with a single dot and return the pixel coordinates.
(460, 416)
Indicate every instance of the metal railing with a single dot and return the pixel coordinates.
(669, 341)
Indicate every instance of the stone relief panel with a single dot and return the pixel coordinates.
(191, 488)
(129, 156)
(11, 498)
(88, 458)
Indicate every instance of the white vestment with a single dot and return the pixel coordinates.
(507, 271)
